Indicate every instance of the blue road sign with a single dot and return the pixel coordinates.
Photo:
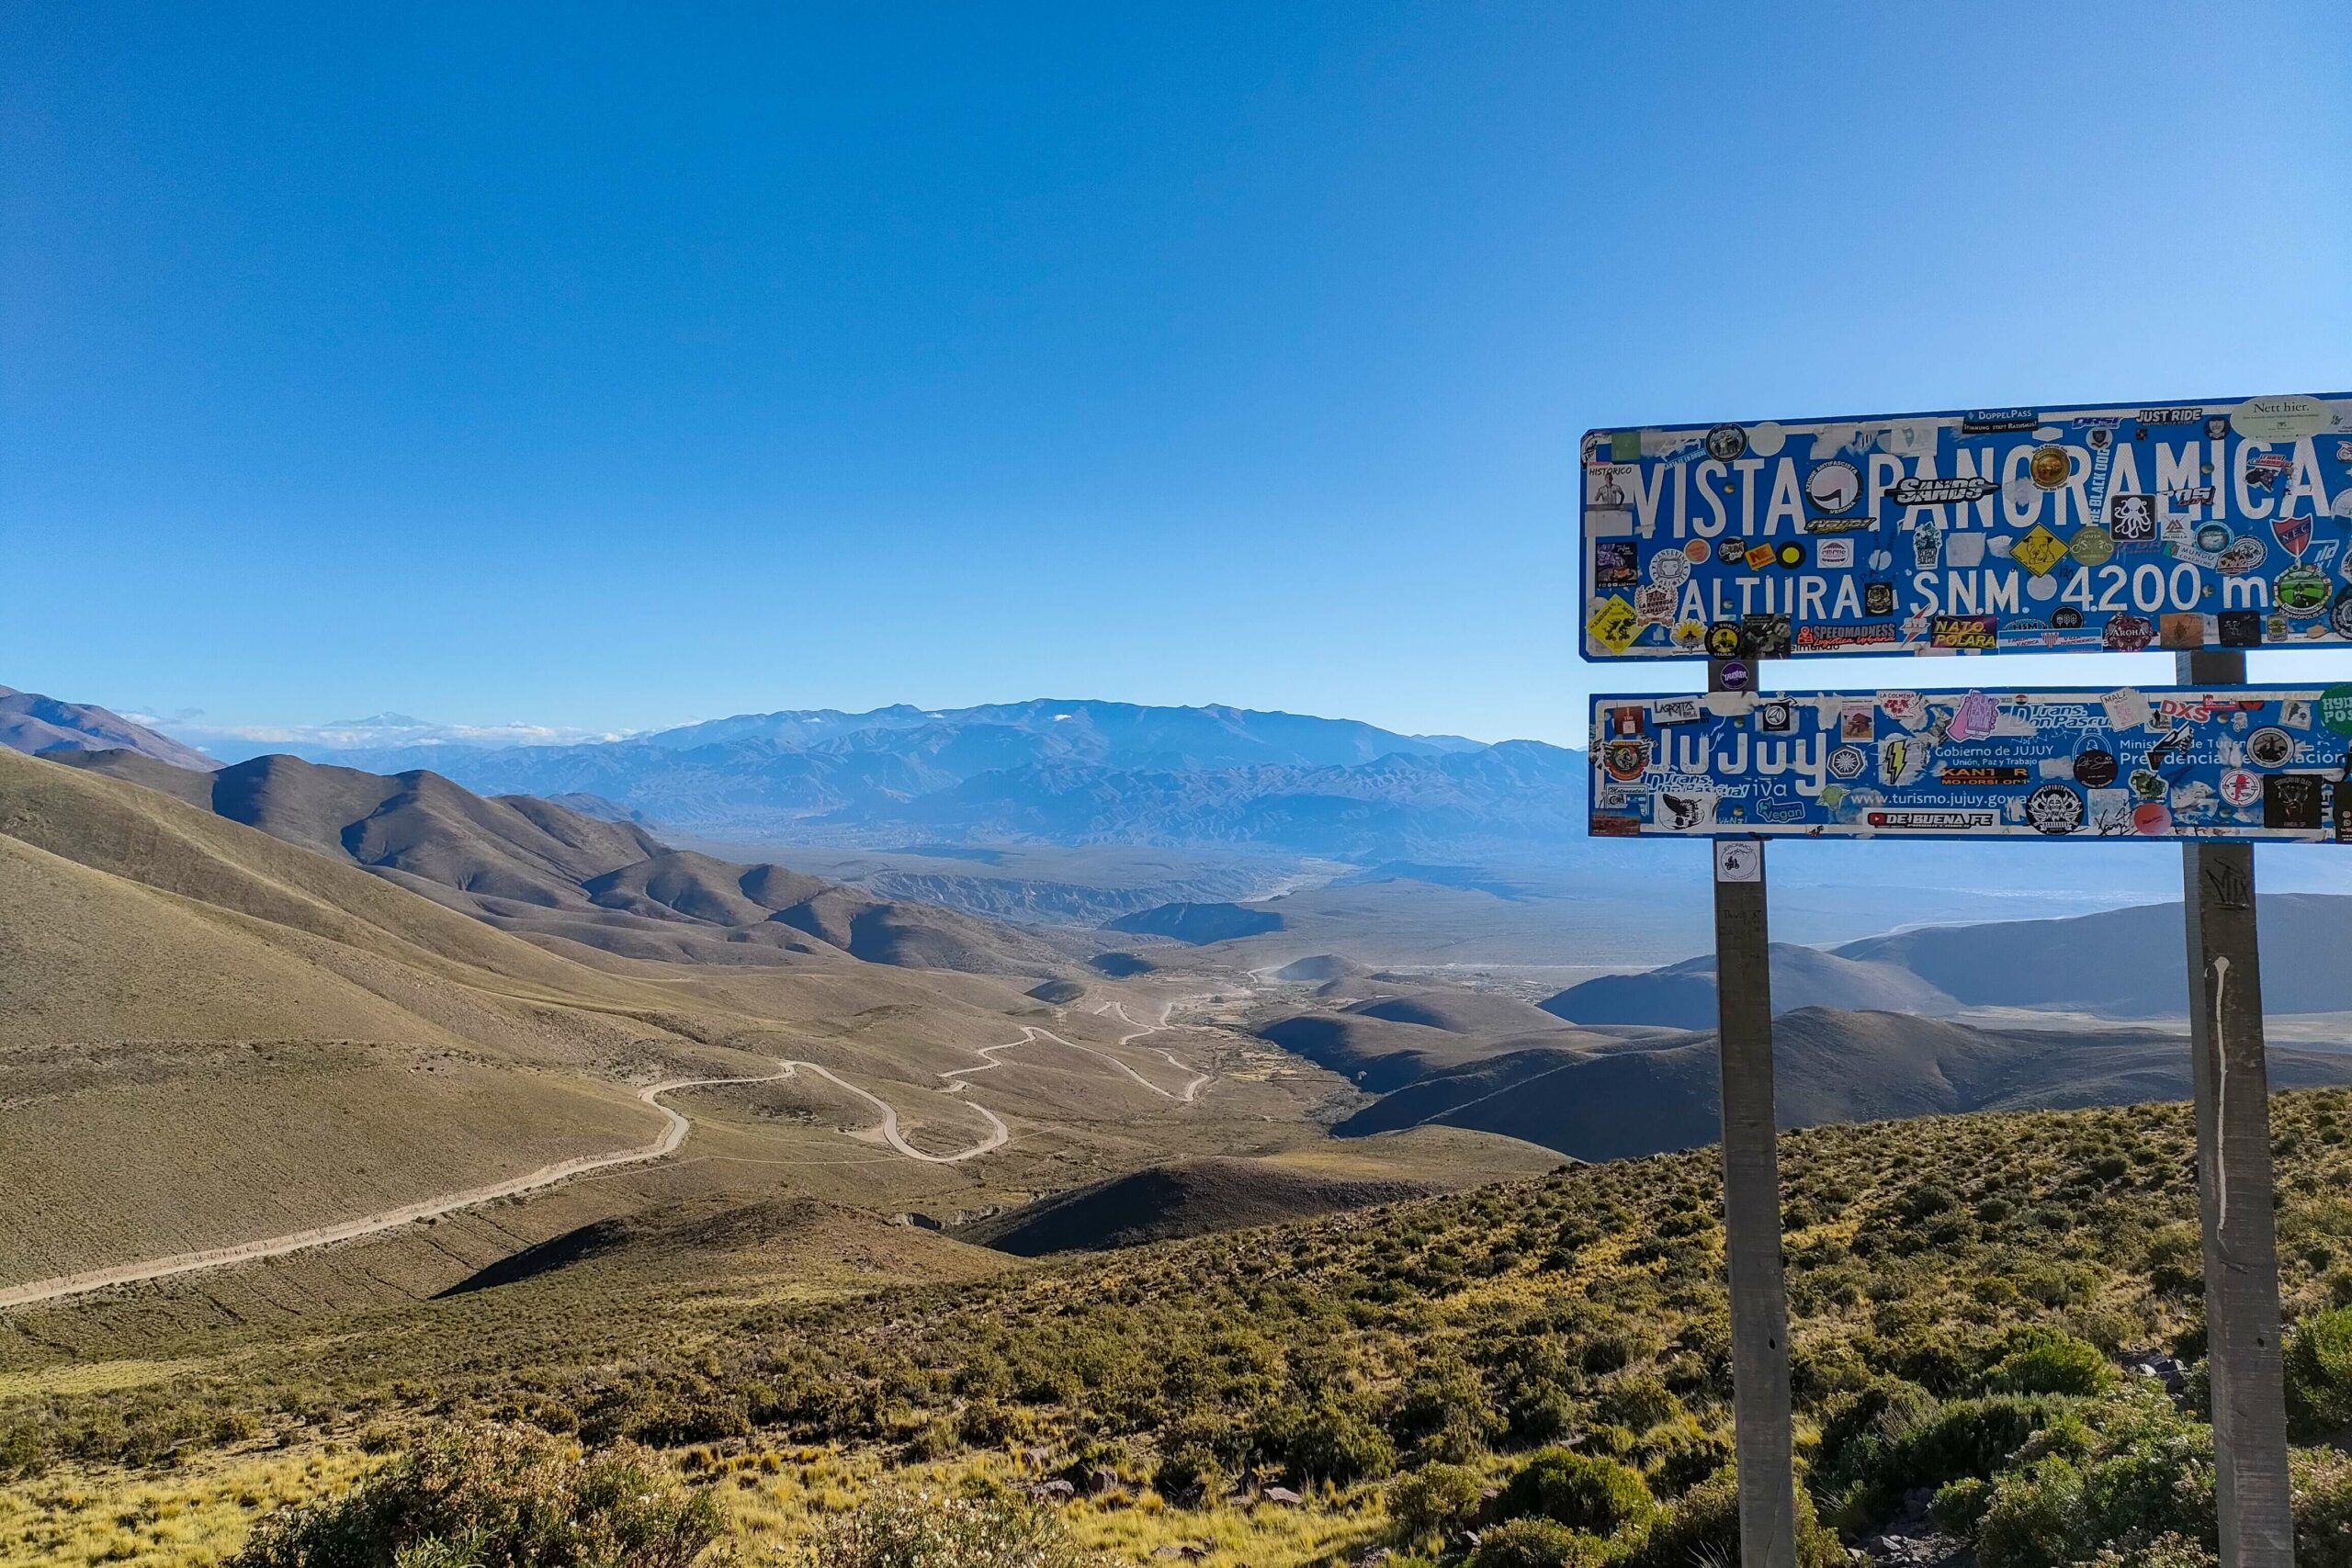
(2117, 528)
(2247, 763)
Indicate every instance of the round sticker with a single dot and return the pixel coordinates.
(2302, 590)
(1723, 639)
(2214, 537)
(1834, 487)
(2269, 747)
(1766, 439)
(1734, 675)
(1729, 551)
(2153, 818)
(2289, 418)
(2092, 545)
(2128, 633)
(2095, 769)
(2049, 467)
(1726, 443)
(2335, 709)
(2039, 589)
(2240, 787)
(1697, 552)
(1791, 556)
(1625, 760)
(2054, 808)
(1670, 568)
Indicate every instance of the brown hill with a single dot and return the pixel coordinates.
(539, 869)
(1193, 1198)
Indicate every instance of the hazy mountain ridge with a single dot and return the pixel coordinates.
(42, 726)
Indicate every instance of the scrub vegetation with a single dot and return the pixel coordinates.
(1534, 1372)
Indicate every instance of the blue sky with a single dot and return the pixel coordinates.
(614, 366)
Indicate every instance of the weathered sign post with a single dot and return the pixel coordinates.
(2203, 528)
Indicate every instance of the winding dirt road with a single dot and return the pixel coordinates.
(674, 1130)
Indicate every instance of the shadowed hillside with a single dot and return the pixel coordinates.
(1627, 1100)
(1166, 1201)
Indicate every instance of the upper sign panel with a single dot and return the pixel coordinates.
(2012, 530)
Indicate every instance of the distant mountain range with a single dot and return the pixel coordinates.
(1075, 772)
(44, 727)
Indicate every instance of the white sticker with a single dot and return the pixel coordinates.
(1839, 553)
(2126, 709)
(1738, 860)
(1766, 439)
(1680, 813)
(1675, 710)
(2289, 418)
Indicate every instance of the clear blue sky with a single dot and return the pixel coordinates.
(614, 366)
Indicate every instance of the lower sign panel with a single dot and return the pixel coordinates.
(2254, 763)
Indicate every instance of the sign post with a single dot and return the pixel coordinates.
(2234, 1186)
(2203, 528)
(1763, 1416)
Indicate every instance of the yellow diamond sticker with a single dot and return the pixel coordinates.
(2038, 551)
(1613, 626)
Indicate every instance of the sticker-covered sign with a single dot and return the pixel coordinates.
(2124, 528)
(2257, 762)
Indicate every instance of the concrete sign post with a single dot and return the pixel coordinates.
(2204, 527)
(1761, 1412)
(2234, 1186)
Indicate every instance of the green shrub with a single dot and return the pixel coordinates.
(1581, 1491)
(2045, 1360)
(910, 1532)
(1536, 1543)
(1432, 1503)
(1703, 1526)
(1326, 1442)
(496, 1495)
(1958, 1506)
(1638, 1400)
(2033, 1516)
(2319, 1374)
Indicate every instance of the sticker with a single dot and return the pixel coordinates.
(2039, 550)
(2095, 769)
(2243, 555)
(2153, 818)
(1916, 492)
(1846, 762)
(1726, 443)
(2336, 708)
(1723, 640)
(2054, 808)
(1909, 708)
(1878, 598)
(1739, 860)
(1776, 719)
(2040, 589)
(1978, 632)
(2287, 418)
(1837, 555)
(1733, 675)
(1766, 439)
(1964, 549)
(2127, 709)
(2131, 519)
(2049, 468)
(2302, 590)
(2240, 628)
(1684, 813)
(2240, 787)
(1675, 710)
(2092, 545)
(2293, 533)
(1625, 761)
(2291, 801)
(1670, 568)
(1759, 557)
(2295, 713)
(2127, 634)
(1973, 716)
(2181, 631)
(2339, 612)
(1859, 721)
(2269, 747)
(1615, 625)
(1791, 556)
(1834, 489)
(1695, 552)
(1615, 562)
